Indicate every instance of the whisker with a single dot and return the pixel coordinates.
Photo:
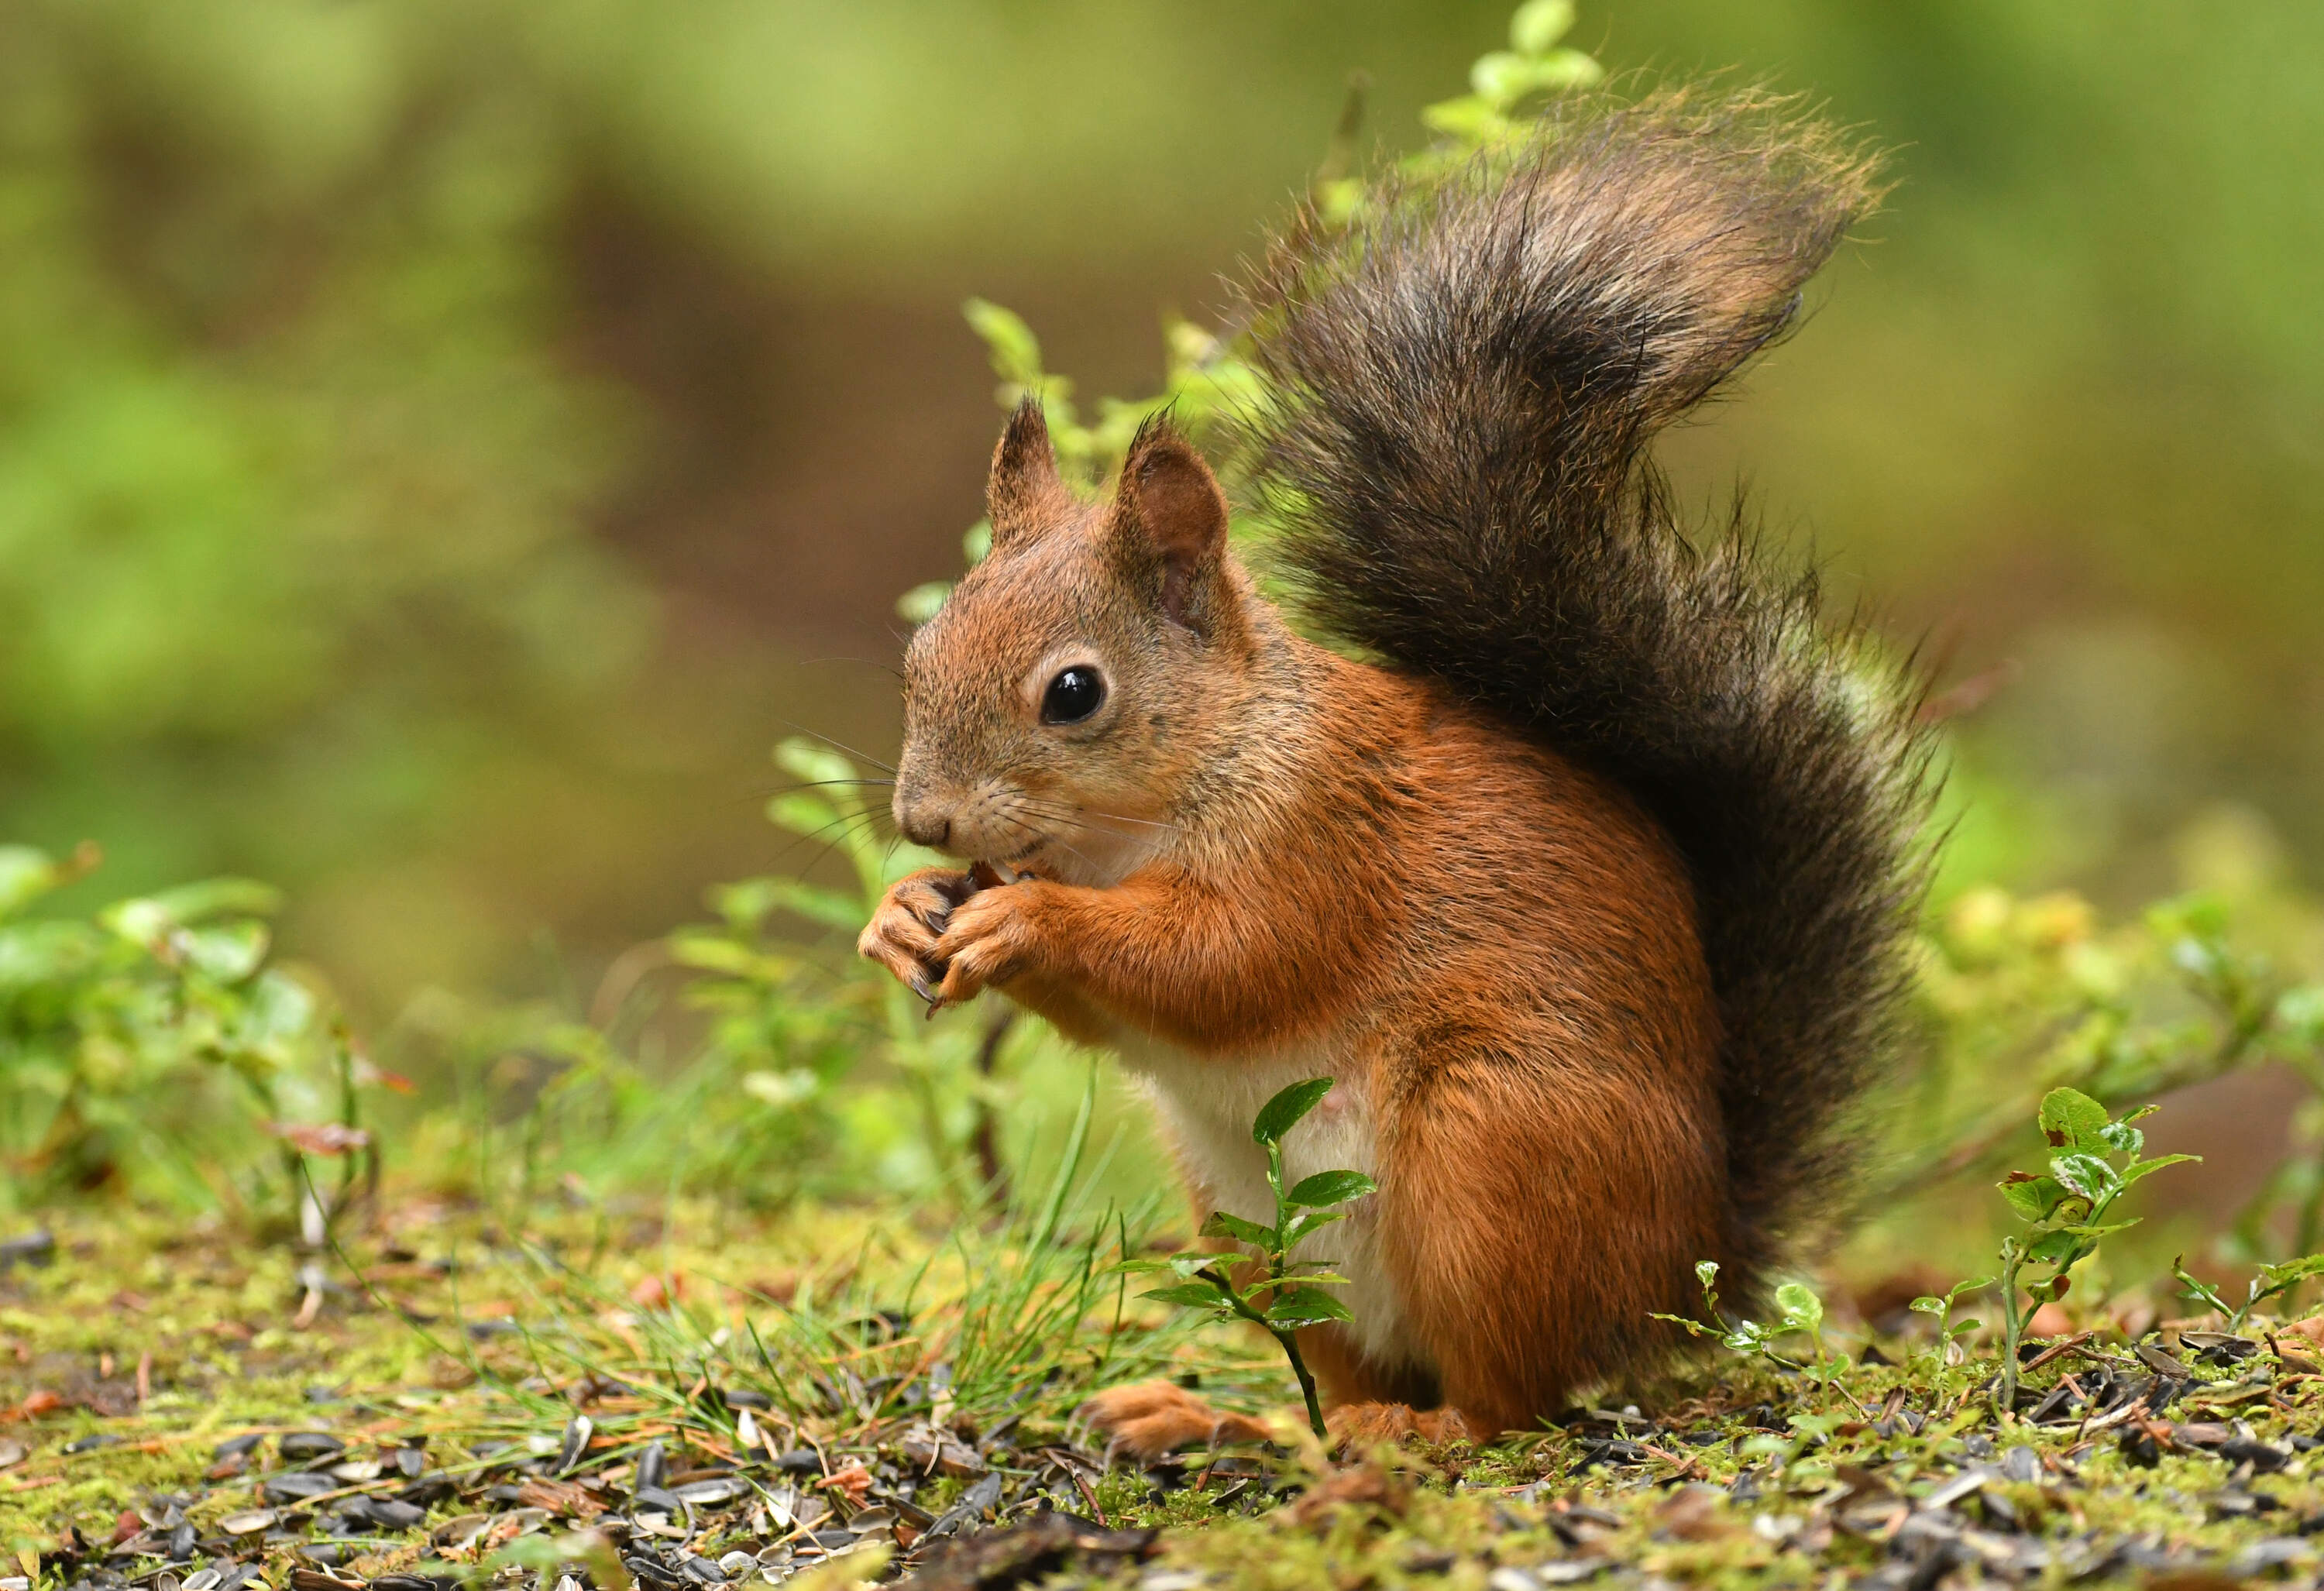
(1013, 820)
(1104, 816)
(837, 745)
(869, 816)
(767, 793)
(865, 662)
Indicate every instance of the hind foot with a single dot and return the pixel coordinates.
(1153, 1418)
(1357, 1426)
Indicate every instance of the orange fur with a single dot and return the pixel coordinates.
(1594, 900)
(1502, 943)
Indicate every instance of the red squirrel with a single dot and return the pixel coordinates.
(1584, 862)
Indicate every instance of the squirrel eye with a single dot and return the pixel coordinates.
(1076, 694)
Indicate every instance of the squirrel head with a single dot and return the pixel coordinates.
(1075, 684)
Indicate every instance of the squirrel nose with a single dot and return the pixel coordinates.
(922, 827)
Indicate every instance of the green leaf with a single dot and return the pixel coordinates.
(817, 904)
(2145, 1168)
(801, 812)
(1279, 1115)
(1539, 24)
(2030, 1196)
(1224, 1225)
(1332, 1187)
(920, 604)
(813, 763)
(781, 1090)
(1802, 1310)
(2202, 1292)
(2056, 1248)
(1694, 1327)
(2085, 1174)
(25, 876)
(1472, 119)
(1192, 1295)
(1504, 77)
(1305, 1306)
(1308, 1221)
(1016, 350)
(2071, 1119)
(2292, 1271)
(218, 897)
(2301, 1011)
(230, 953)
(1926, 1305)
(2083, 1229)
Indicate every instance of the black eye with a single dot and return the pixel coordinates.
(1073, 695)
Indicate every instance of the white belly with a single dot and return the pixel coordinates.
(1207, 1105)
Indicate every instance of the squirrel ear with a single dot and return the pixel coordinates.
(1168, 506)
(1023, 491)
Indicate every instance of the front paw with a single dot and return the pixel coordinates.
(1152, 1418)
(903, 933)
(991, 937)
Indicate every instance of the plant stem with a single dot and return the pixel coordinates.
(2013, 1323)
(1306, 1382)
(1282, 1339)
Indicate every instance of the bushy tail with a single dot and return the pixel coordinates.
(1464, 385)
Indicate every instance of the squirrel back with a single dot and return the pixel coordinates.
(1462, 387)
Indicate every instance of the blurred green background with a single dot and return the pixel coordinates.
(442, 446)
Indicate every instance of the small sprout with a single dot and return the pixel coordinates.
(1287, 1293)
(2065, 1210)
(2272, 1282)
(1799, 1310)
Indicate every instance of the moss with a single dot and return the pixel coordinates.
(460, 1338)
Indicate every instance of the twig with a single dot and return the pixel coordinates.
(1089, 1495)
(2052, 1351)
(2114, 1417)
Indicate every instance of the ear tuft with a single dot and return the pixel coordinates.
(1023, 494)
(1169, 504)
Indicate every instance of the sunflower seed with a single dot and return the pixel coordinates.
(296, 1487)
(307, 1446)
(249, 1524)
(706, 1492)
(576, 1442)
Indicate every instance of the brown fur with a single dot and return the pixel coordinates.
(1257, 851)
(1508, 937)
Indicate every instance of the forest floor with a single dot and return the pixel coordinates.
(831, 1396)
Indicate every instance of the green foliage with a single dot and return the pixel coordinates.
(1284, 1295)
(1502, 81)
(797, 1013)
(2272, 1282)
(1799, 1312)
(2022, 997)
(2064, 1212)
(1947, 1349)
(142, 1047)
